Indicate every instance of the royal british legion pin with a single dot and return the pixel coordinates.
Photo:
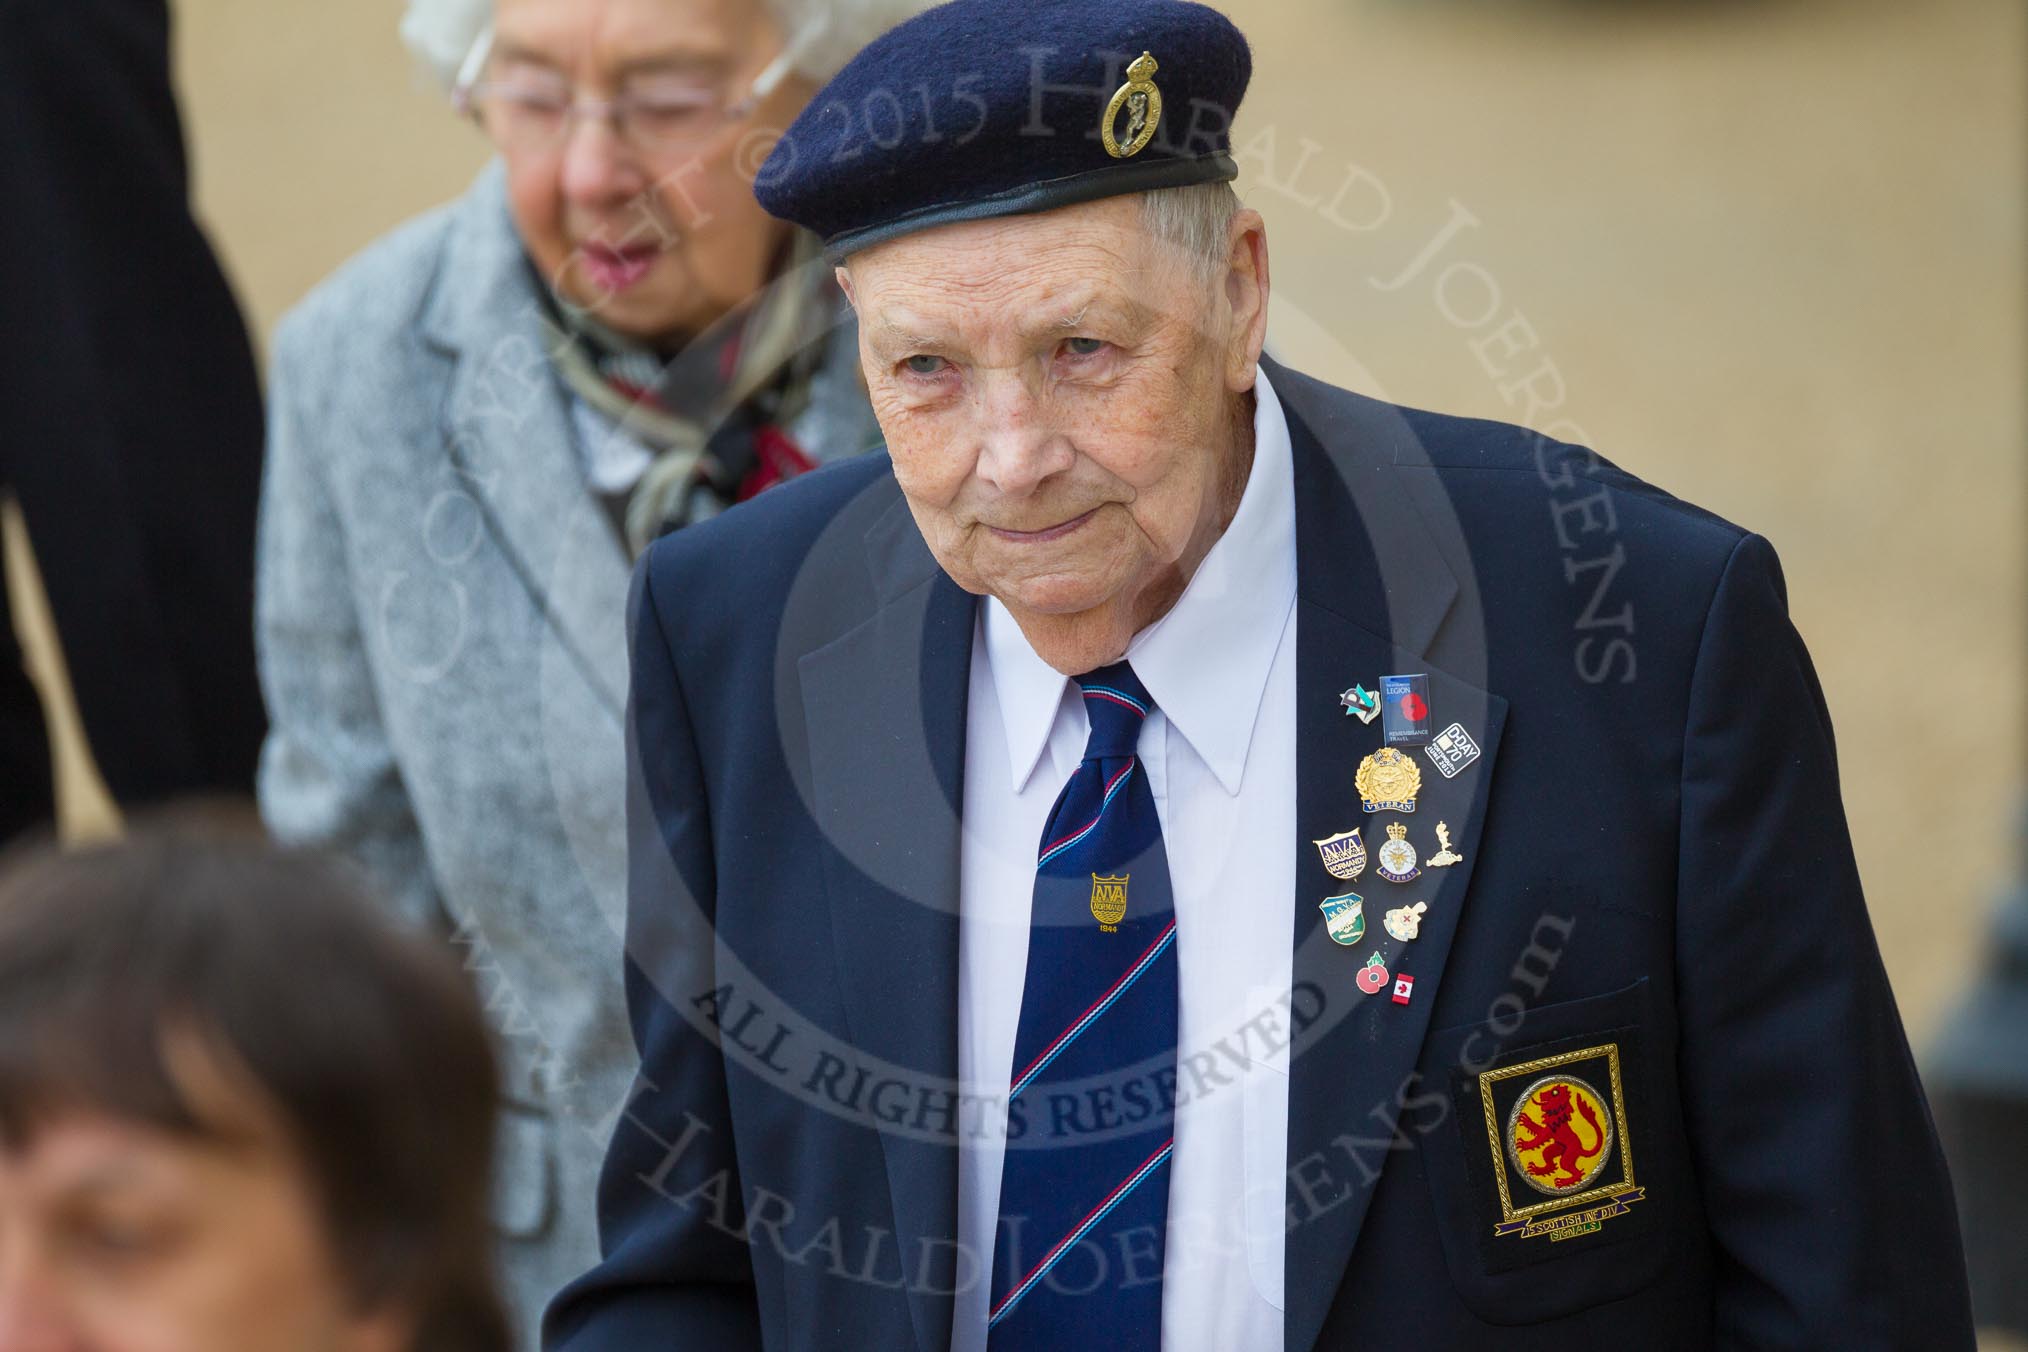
(1404, 709)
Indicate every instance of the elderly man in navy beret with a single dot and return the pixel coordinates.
(1140, 865)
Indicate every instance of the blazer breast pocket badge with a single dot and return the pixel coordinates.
(1563, 1158)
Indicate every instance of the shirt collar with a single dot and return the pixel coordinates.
(1206, 662)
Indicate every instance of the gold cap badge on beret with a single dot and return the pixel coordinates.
(1142, 103)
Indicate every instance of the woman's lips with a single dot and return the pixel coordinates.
(615, 270)
(1040, 537)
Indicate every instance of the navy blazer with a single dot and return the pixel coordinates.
(1657, 894)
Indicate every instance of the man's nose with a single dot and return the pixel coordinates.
(1019, 446)
(599, 168)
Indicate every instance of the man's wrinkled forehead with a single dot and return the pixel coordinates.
(1054, 273)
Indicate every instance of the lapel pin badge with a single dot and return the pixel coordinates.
(1345, 917)
(1404, 986)
(1404, 709)
(1361, 701)
(1388, 781)
(1397, 856)
(1452, 750)
(1344, 854)
(1405, 922)
(1445, 855)
(1373, 975)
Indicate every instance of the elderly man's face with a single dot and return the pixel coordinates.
(656, 234)
(1063, 398)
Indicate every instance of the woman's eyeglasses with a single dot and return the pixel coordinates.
(533, 113)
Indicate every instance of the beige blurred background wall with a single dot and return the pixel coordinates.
(1773, 250)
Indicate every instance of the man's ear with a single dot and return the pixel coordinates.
(844, 276)
(1246, 292)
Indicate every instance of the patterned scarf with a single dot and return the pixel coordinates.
(714, 415)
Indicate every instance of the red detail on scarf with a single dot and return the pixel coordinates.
(635, 394)
(777, 459)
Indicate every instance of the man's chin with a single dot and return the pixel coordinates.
(1054, 598)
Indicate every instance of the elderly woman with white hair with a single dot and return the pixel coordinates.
(477, 425)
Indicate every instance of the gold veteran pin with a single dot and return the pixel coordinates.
(1141, 102)
(1108, 900)
(1388, 781)
(1562, 1160)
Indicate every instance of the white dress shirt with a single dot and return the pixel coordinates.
(1220, 754)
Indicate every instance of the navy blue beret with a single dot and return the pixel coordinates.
(984, 108)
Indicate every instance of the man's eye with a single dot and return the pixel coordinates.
(1084, 347)
(924, 366)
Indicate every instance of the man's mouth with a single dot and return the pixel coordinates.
(614, 270)
(1044, 536)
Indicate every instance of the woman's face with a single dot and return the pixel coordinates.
(122, 1237)
(656, 231)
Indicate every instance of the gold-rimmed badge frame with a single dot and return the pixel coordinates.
(1495, 1135)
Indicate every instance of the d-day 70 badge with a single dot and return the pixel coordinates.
(1452, 750)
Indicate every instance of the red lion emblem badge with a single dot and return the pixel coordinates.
(1559, 1134)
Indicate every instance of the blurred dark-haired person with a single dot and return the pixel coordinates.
(239, 1112)
(477, 424)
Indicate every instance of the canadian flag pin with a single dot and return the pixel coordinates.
(1404, 986)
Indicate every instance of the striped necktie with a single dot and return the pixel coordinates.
(1084, 1194)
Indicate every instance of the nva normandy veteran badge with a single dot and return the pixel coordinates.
(1108, 901)
(1562, 1159)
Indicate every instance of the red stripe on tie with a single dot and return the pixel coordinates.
(1104, 799)
(1123, 703)
(1127, 1184)
(1134, 970)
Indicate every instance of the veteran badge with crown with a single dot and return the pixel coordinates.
(1397, 856)
(1388, 781)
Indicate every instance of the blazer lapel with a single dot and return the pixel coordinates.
(507, 430)
(885, 711)
(1374, 589)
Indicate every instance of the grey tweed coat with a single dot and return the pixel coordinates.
(441, 624)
